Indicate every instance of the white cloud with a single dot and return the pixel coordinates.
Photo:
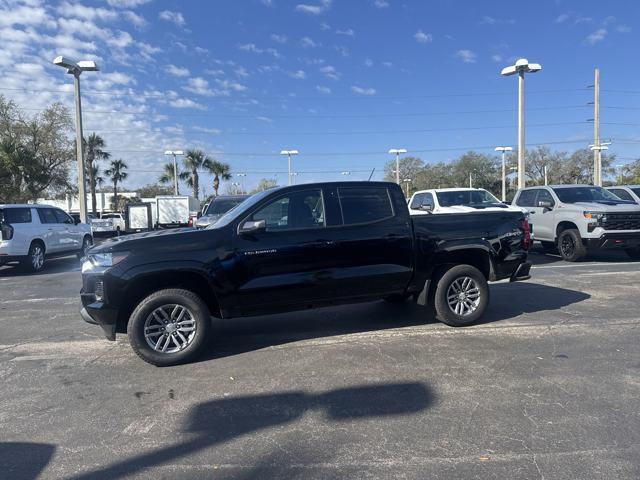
(368, 62)
(185, 103)
(298, 75)
(212, 131)
(121, 40)
(330, 72)
(422, 37)
(264, 119)
(487, 20)
(199, 86)
(241, 72)
(127, 3)
(623, 29)
(177, 71)
(323, 89)
(89, 13)
(134, 18)
(387, 64)
(348, 32)
(342, 50)
(175, 17)
(496, 57)
(230, 85)
(307, 42)
(561, 18)
(252, 47)
(596, 37)
(363, 91)
(381, 3)
(467, 56)
(278, 38)
(267, 3)
(315, 9)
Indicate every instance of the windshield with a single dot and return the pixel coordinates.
(223, 205)
(587, 194)
(110, 215)
(470, 198)
(240, 209)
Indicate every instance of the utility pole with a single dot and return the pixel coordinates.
(546, 182)
(174, 153)
(597, 151)
(470, 180)
(397, 152)
(241, 175)
(288, 153)
(504, 170)
(407, 181)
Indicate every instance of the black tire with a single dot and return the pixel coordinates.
(570, 245)
(196, 308)
(87, 243)
(549, 247)
(35, 258)
(396, 298)
(117, 231)
(634, 253)
(476, 303)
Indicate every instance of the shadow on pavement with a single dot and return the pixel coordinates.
(222, 420)
(51, 265)
(24, 460)
(538, 256)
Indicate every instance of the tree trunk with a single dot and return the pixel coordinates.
(115, 196)
(92, 188)
(216, 184)
(196, 185)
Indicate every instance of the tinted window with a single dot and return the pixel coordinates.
(417, 200)
(15, 215)
(466, 197)
(545, 196)
(527, 198)
(364, 204)
(623, 194)
(292, 211)
(62, 217)
(47, 216)
(223, 205)
(636, 191)
(584, 194)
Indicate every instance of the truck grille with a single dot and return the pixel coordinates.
(622, 221)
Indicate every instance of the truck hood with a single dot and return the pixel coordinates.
(159, 241)
(469, 209)
(206, 220)
(604, 207)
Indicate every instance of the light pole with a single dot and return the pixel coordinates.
(288, 153)
(241, 175)
(407, 181)
(236, 185)
(521, 67)
(504, 170)
(397, 152)
(174, 154)
(76, 69)
(345, 173)
(597, 165)
(293, 177)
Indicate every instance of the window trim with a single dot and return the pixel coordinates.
(393, 210)
(269, 201)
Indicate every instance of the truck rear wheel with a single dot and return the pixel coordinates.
(570, 245)
(461, 296)
(169, 327)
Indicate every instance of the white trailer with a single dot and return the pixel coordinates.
(138, 217)
(176, 210)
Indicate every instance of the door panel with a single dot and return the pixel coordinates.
(50, 230)
(545, 218)
(67, 233)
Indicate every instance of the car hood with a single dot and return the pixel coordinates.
(468, 209)
(206, 220)
(605, 208)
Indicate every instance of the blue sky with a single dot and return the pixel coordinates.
(342, 81)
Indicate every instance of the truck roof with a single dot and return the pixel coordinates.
(25, 205)
(450, 189)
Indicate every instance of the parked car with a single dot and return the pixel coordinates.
(109, 223)
(30, 234)
(626, 192)
(298, 247)
(218, 207)
(454, 200)
(578, 218)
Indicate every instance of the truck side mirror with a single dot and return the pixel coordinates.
(250, 226)
(76, 221)
(426, 207)
(544, 204)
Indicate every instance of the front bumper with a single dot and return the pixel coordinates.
(614, 240)
(97, 313)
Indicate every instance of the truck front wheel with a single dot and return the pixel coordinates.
(461, 296)
(570, 245)
(169, 327)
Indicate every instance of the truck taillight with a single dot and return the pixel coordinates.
(6, 231)
(526, 229)
(190, 221)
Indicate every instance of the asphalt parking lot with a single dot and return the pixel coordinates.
(548, 386)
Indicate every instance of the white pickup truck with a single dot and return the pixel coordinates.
(108, 223)
(455, 200)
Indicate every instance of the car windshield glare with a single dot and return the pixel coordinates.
(466, 198)
(588, 193)
(220, 206)
(239, 209)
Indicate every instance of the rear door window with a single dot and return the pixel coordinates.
(296, 210)
(527, 198)
(623, 194)
(47, 216)
(364, 204)
(15, 215)
(62, 217)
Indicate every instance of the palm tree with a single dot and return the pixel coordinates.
(195, 160)
(169, 174)
(117, 174)
(93, 150)
(219, 170)
(95, 179)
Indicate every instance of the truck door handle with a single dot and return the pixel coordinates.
(323, 243)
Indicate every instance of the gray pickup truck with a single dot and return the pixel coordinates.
(578, 218)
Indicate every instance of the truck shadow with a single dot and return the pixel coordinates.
(52, 265)
(24, 460)
(218, 421)
(239, 335)
(538, 256)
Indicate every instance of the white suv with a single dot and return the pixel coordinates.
(31, 233)
(455, 200)
(108, 223)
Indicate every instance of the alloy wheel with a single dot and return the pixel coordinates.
(170, 328)
(567, 245)
(37, 257)
(463, 296)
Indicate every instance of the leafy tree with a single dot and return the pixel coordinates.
(265, 184)
(94, 150)
(117, 173)
(153, 190)
(219, 170)
(630, 174)
(409, 168)
(95, 177)
(168, 175)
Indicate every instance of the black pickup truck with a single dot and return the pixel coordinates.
(297, 247)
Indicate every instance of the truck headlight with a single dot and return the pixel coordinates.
(595, 216)
(103, 260)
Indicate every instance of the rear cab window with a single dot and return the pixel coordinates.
(15, 215)
(364, 204)
(527, 198)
